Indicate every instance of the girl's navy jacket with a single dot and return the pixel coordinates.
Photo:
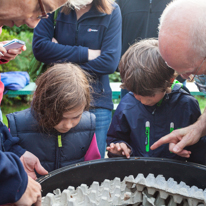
(128, 124)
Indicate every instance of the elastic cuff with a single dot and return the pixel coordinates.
(83, 54)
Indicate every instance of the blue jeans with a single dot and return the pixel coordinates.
(103, 120)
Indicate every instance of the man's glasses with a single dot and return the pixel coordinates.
(195, 76)
(200, 82)
(43, 11)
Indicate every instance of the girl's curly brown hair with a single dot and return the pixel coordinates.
(60, 89)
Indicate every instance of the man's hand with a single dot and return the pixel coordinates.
(11, 53)
(32, 195)
(179, 139)
(31, 162)
(93, 54)
(119, 149)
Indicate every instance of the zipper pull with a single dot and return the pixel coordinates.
(154, 111)
(150, 6)
(59, 141)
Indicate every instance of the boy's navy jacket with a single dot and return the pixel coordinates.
(128, 124)
(53, 152)
(93, 30)
(13, 178)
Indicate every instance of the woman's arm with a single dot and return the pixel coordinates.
(108, 61)
(49, 52)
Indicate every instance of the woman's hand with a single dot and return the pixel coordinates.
(93, 54)
(32, 163)
(32, 195)
(11, 53)
(119, 149)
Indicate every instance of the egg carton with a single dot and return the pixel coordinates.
(137, 191)
(193, 195)
(109, 193)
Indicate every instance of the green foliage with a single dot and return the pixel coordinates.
(17, 30)
(115, 77)
(202, 102)
(21, 62)
(18, 106)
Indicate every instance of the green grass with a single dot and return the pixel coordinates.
(202, 102)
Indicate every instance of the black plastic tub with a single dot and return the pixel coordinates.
(98, 170)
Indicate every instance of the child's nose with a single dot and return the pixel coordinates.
(68, 125)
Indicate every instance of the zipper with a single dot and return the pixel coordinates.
(76, 33)
(149, 11)
(59, 143)
(150, 6)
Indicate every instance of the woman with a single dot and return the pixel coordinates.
(91, 38)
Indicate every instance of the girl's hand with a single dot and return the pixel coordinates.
(119, 149)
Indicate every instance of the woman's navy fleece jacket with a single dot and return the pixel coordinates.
(93, 30)
(128, 124)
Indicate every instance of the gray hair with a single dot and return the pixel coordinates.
(187, 11)
(77, 4)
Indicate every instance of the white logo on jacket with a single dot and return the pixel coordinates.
(92, 30)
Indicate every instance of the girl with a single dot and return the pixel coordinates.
(90, 37)
(56, 128)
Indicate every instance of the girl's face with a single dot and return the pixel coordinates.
(70, 119)
(150, 100)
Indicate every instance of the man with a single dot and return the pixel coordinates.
(182, 34)
(16, 187)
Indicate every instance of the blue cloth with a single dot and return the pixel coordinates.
(15, 80)
(128, 124)
(93, 30)
(45, 145)
(13, 178)
(103, 120)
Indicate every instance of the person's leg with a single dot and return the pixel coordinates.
(103, 120)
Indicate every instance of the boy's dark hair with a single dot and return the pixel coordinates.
(143, 70)
(60, 89)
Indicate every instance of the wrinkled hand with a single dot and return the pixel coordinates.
(179, 139)
(93, 54)
(11, 53)
(32, 195)
(31, 162)
(119, 149)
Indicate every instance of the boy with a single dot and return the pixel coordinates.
(153, 107)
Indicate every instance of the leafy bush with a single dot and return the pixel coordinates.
(115, 77)
(21, 62)
(17, 30)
